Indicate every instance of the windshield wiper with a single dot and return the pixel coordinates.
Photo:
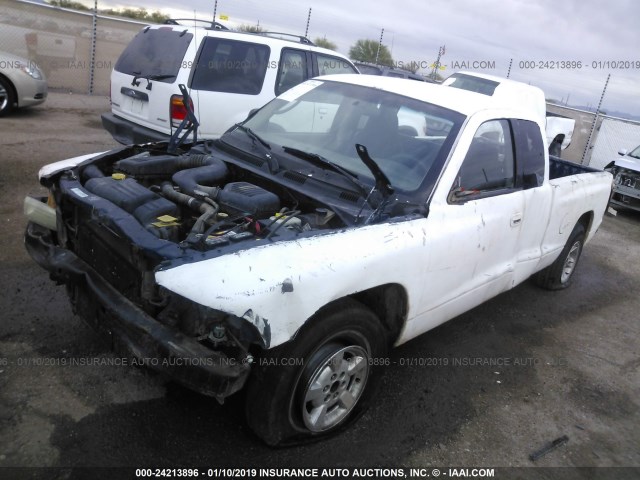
(383, 185)
(136, 80)
(264, 145)
(382, 181)
(254, 136)
(324, 162)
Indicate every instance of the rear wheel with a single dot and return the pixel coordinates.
(7, 97)
(560, 273)
(320, 381)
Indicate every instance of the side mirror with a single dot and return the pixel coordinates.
(623, 151)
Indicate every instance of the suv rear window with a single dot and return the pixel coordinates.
(158, 52)
(230, 66)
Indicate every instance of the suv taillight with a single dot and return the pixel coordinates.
(177, 111)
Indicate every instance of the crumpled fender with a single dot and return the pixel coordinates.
(278, 287)
(56, 167)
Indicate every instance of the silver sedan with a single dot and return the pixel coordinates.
(22, 83)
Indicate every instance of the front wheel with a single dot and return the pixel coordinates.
(7, 98)
(320, 381)
(559, 274)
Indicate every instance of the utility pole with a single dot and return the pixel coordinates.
(94, 32)
(436, 65)
(379, 45)
(595, 121)
(306, 32)
(215, 7)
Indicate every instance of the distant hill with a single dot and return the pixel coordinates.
(611, 113)
(628, 116)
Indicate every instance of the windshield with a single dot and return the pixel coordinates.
(408, 139)
(635, 153)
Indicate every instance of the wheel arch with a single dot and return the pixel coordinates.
(587, 221)
(390, 304)
(12, 87)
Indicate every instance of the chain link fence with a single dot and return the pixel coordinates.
(76, 53)
(610, 134)
(613, 135)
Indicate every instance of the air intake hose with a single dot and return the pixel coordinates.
(145, 165)
(199, 181)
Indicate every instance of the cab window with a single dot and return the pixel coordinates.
(488, 168)
(529, 153)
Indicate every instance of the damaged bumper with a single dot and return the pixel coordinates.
(626, 188)
(626, 196)
(131, 329)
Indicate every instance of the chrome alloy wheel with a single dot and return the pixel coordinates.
(571, 261)
(4, 97)
(335, 387)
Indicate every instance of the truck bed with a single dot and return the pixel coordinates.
(562, 168)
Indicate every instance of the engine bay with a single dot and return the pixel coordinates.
(197, 200)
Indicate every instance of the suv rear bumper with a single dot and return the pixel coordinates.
(128, 133)
(131, 329)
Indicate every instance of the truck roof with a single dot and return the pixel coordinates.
(505, 91)
(268, 38)
(512, 95)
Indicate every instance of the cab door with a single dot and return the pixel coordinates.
(472, 258)
(537, 195)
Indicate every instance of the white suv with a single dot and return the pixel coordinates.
(227, 73)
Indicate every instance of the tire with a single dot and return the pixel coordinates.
(559, 274)
(7, 97)
(289, 404)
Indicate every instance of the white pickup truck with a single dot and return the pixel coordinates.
(287, 259)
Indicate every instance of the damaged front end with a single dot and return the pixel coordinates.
(113, 221)
(626, 186)
(205, 350)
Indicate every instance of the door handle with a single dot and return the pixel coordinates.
(516, 219)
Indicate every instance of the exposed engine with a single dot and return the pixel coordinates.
(201, 202)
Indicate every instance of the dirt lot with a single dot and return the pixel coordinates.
(484, 390)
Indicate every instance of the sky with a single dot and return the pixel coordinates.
(566, 47)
